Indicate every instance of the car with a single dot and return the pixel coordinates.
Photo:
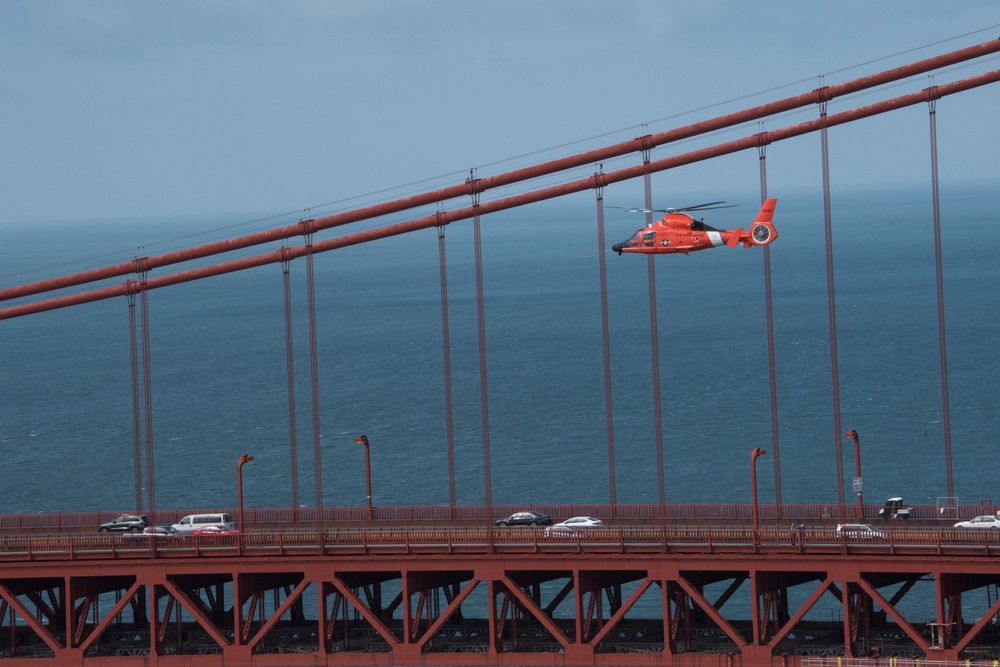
(526, 519)
(155, 531)
(860, 531)
(984, 521)
(125, 523)
(214, 530)
(193, 522)
(583, 522)
(564, 531)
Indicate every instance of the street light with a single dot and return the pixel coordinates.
(363, 440)
(245, 458)
(859, 482)
(757, 452)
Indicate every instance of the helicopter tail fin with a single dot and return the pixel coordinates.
(762, 232)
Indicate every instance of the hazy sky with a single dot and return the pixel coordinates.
(119, 109)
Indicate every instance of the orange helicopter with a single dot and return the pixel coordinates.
(679, 232)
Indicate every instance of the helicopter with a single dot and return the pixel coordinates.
(678, 232)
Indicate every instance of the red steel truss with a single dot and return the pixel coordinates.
(498, 597)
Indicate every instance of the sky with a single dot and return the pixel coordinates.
(124, 109)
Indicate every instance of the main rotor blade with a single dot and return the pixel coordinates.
(630, 209)
(697, 207)
(706, 207)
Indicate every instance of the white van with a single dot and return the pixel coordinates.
(195, 521)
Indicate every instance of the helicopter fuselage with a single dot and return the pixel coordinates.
(680, 233)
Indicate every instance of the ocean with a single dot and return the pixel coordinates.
(219, 386)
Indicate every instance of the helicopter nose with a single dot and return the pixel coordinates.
(618, 247)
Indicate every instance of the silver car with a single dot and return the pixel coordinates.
(984, 521)
(860, 531)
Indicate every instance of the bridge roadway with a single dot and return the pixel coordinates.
(619, 596)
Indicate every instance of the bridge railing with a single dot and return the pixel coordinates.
(478, 514)
(475, 515)
(909, 540)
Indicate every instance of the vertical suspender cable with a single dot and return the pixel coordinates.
(769, 317)
(481, 315)
(606, 342)
(148, 395)
(832, 312)
(290, 370)
(314, 370)
(939, 272)
(654, 342)
(136, 416)
(446, 353)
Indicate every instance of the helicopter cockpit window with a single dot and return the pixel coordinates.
(648, 238)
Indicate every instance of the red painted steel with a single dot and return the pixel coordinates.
(484, 398)
(654, 339)
(290, 378)
(939, 280)
(449, 412)
(831, 301)
(147, 401)
(685, 597)
(609, 425)
(306, 227)
(314, 373)
(769, 321)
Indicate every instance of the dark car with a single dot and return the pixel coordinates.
(125, 523)
(526, 519)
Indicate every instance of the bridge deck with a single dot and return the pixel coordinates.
(498, 597)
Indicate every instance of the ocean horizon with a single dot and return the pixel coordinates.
(219, 385)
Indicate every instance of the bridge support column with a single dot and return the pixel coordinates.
(323, 649)
(237, 654)
(409, 650)
(155, 623)
(579, 654)
(495, 641)
(756, 654)
(405, 654)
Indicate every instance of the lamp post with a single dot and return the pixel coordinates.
(757, 452)
(363, 440)
(245, 458)
(859, 482)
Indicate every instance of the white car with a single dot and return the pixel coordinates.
(561, 530)
(583, 522)
(575, 527)
(984, 521)
(156, 531)
(860, 531)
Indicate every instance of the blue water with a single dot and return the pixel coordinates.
(219, 384)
